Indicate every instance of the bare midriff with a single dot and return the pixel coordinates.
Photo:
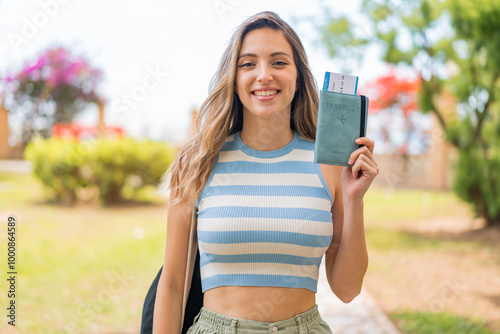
(260, 303)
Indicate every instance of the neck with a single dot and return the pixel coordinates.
(266, 136)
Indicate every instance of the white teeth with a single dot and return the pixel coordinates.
(265, 92)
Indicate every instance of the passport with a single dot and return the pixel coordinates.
(342, 118)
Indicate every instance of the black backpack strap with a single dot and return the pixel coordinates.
(194, 303)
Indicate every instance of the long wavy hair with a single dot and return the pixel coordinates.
(221, 114)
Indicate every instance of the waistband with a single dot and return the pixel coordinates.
(220, 323)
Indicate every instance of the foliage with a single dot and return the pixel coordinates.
(66, 167)
(392, 90)
(58, 165)
(115, 162)
(476, 180)
(450, 45)
(52, 89)
(393, 96)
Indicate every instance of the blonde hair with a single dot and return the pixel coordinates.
(221, 114)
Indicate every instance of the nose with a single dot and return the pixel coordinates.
(265, 73)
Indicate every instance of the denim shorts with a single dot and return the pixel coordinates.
(209, 322)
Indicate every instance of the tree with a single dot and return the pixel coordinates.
(392, 97)
(52, 89)
(453, 46)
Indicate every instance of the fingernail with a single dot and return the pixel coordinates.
(349, 162)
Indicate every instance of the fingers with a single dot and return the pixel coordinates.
(368, 167)
(367, 142)
(367, 150)
(362, 159)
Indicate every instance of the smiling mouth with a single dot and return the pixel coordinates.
(265, 92)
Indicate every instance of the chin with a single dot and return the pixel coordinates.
(268, 113)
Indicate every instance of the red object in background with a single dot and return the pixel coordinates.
(391, 90)
(392, 95)
(79, 131)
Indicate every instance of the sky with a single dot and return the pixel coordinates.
(157, 56)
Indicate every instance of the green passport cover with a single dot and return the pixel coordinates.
(341, 120)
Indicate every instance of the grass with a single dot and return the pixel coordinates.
(427, 269)
(81, 269)
(391, 217)
(442, 323)
(387, 206)
(87, 269)
(387, 240)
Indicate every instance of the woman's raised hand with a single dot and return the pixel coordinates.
(357, 178)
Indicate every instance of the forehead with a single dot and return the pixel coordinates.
(265, 41)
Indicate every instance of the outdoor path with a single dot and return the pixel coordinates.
(361, 316)
(15, 166)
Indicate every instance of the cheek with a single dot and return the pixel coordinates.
(239, 84)
(293, 83)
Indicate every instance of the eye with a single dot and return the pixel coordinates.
(247, 64)
(280, 63)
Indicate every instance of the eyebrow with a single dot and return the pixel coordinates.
(274, 54)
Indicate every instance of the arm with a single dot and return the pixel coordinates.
(168, 304)
(346, 260)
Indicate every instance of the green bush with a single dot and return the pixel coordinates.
(115, 162)
(57, 164)
(477, 178)
(108, 165)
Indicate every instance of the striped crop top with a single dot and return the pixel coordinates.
(264, 217)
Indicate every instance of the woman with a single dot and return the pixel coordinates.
(266, 212)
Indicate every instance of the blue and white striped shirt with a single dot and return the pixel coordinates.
(264, 217)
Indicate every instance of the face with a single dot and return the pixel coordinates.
(266, 76)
